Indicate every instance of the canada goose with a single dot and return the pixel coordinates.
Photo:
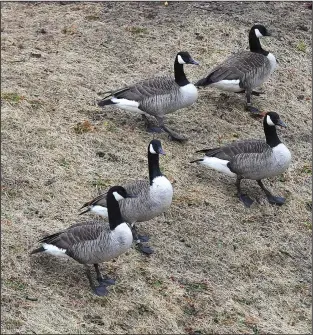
(152, 197)
(252, 159)
(244, 71)
(93, 243)
(157, 96)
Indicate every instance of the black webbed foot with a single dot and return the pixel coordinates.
(276, 200)
(101, 291)
(247, 201)
(178, 138)
(253, 110)
(144, 249)
(154, 130)
(106, 281)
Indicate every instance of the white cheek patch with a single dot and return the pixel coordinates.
(151, 149)
(180, 60)
(269, 121)
(117, 196)
(257, 33)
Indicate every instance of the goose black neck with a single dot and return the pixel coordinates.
(114, 213)
(179, 73)
(154, 167)
(271, 135)
(255, 45)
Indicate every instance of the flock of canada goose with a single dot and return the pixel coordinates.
(93, 242)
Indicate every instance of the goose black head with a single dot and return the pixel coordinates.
(119, 193)
(273, 119)
(260, 31)
(183, 57)
(155, 147)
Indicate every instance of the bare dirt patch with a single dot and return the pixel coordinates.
(218, 267)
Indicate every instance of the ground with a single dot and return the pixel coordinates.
(218, 267)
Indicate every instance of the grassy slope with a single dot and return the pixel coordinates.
(218, 267)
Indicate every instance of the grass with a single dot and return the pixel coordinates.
(12, 97)
(15, 284)
(307, 169)
(308, 224)
(301, 46)
(109, 126)
(218, 268)
(137, 30)
(84, 127)
(101, 183)
(64, 163)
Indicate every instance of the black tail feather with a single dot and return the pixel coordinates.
(35, 251)
(203, 150)
(197, 160)
(210, 152)
(85, 205)
(207, 150)
(49, 238)
(105, 102)
(86, 211)
(204, 82)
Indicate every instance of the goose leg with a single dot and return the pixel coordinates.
(138, 238)
(103, 281)
(270, 197)
(150, 127)
(249, 107)
(100, 290)
(256, 93)
(247, 201)
(172, 134)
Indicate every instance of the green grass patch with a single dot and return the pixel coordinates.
(301, 46)
(157, 284)
(196, 287)
(308, 224)
(64, 162)
(101, 183)
(12, 97)
(190, 310)
(307, 169)
(92, 18)
(109, 126)
(137, 30)
(15, 284)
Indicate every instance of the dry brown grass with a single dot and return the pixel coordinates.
(218, 267)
